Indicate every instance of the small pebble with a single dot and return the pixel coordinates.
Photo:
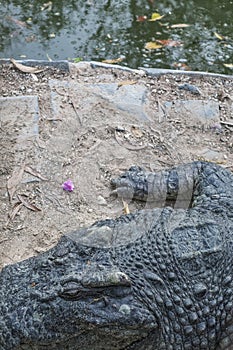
(101, 200)
(191, 88)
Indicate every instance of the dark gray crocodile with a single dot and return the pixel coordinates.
(159, 278)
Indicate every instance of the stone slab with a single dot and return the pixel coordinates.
(212, 155)
(84, 99)
(22, 115)
(193, 112)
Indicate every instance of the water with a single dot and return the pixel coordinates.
(109, 29)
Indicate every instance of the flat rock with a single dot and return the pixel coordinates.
(193, 112)
(84, 99)
(22, 114)
(212, 155)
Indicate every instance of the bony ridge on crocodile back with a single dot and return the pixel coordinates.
(160, 278)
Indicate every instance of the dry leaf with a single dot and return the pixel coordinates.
(181, 65)
(47, 6)
(228, 65)
(29, 39)
(49, 58)
(16, 21)
(34, 77)
(219, 36)
(14, 181)
(152, 45)
(126, 207)
(141, 18)
(26, 69)
(155, 17)
(180, 25)
(169, 42)
(136, 132)
(116, 60)
(33, 172)
(27, 204)
(126, 82)
(14, 212)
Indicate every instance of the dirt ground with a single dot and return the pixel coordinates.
(34, 209)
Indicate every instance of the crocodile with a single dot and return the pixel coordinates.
(159, 278)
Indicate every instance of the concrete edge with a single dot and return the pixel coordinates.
(62, 65)
(157, 71)
(161, 71)
(66, 66)
(96, 64)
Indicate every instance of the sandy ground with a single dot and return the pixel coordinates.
(92, 141)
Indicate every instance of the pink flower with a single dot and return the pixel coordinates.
(68, 185)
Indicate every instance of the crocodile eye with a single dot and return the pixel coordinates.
(70, 290)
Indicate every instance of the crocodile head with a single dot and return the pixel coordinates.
(155, 279)
(71, 297)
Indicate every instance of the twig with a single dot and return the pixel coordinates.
(226, 123)
(53, 119)
(3, 240)
(72, 104)
(162, 112)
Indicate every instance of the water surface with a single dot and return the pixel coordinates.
(112, 29)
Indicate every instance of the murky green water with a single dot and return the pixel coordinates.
(112, 29)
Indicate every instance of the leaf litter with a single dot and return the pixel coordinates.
(14, 181)
(27, 204)
(26, 69)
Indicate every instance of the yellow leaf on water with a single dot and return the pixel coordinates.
(141, 18)
(228, 65)
(152, 45)
(16, 21)
(180, 25)
(155, 17)
(219, 36)
(49, 58)
(169, 42)
(116, 60)
(47, 6)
